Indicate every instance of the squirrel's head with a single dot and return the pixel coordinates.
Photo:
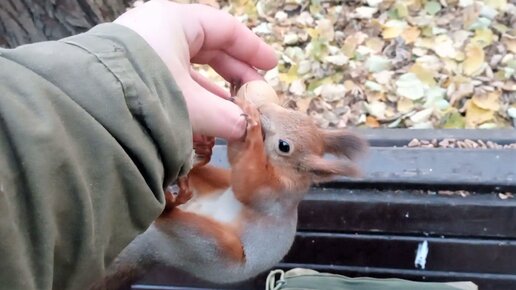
(296, 145)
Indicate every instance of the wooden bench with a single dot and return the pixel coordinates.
(448, 198)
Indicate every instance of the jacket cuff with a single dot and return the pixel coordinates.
(150, 91)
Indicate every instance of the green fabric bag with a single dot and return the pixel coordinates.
(306, 279)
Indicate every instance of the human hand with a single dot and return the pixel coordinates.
(182, 34)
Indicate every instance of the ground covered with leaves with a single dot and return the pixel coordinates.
(390, 63)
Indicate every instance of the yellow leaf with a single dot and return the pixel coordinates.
(483, 37)
(290, 75)
(459, 56)
(392, 32)
(372, 122)
(313, 33)
(410, 34)
(489, 101)
(405, 105)
(393, 29)
(474, 62)
(350, 45)
(349, 85)
(423, 74)
(450, 66)
(497, 4)
(401, 9)
(476, 116)
(510, 44)
(453, 120)
(375, 44)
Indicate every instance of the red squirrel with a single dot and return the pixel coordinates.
(229, 225)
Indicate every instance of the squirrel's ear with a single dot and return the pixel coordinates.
(343, 142)
(323, 170)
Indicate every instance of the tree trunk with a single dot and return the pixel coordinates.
(27, 21)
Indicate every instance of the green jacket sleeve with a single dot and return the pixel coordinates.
(92, 128)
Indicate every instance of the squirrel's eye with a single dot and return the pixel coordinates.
(283, 146)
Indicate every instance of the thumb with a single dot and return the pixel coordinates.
(212, 115)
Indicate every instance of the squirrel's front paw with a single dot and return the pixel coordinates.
(252, 116)
(179, 194)
(203, 147)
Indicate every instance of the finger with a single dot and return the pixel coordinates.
(221, 31)
(211, 115)
(209, 85)
(227, 66)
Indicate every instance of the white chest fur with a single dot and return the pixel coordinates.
(220, 206)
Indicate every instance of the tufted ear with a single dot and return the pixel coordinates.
(323, 170)
(343, 142)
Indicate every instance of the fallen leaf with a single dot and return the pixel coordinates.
(476, 116)
(393, 28)
(325, 29)
(489, 101)
(481, 22)
(425, 75)
(377, 63)
(430, 62)
(443, 46)
(423, 125)
(374, 3)
(409, 86)
(400, 10)
(500, 28)
(290, 38)
(405, 105)
(383, 77)
(332, 92)
(483, 37)
(377, 109)
(454, 120)
(364, 12)
(372, 86)
(510, 43)
(474, 63)
(375, 44)
(422, 116)
(372, 122)
(497, 4)
(290, 75)
(297, 87)
(512, 112)
(338, 59)
(432, 7)
(435, 98)
(410, 34)
(350, 45)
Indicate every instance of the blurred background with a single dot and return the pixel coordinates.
(370, 63)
